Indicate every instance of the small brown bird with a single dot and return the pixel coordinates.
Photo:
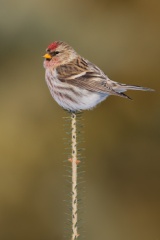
(77, 84)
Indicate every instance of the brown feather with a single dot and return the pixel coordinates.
(93, 79)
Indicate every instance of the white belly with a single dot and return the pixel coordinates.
(72, 97)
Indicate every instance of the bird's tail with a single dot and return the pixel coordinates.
(120, 88)
(123, 87)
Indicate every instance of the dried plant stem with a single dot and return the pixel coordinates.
(74, 167)
(74, 178)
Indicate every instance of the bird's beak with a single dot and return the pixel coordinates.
(47, 56)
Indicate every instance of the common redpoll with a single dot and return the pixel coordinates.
(75, 83)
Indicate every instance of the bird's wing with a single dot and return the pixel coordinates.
(83, 74)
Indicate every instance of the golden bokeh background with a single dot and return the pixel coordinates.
(122, 137)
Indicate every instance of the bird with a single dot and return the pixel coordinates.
(75, 83)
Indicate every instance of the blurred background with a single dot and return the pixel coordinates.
(122, 137)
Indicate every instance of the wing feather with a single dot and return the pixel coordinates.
(83, 74)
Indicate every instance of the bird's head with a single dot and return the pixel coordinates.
(58, 53)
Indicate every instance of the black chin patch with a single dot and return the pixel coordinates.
(48, 59)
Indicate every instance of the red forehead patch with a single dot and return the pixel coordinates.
(53, 46)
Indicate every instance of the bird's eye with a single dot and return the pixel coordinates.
(54, 53)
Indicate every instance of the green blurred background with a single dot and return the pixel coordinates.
(122, 137)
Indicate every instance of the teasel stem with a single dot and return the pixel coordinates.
(74, 162)
(74, 167)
